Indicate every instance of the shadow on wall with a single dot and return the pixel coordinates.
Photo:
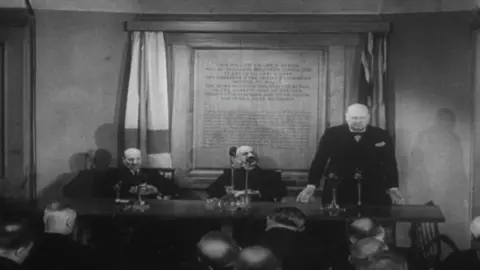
(436, 171)
(106, 137)
(84, 168)
(77, 162)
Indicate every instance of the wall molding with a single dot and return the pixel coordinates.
(259, 26)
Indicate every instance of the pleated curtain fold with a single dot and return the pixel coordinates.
(373, 77)
(147, 119)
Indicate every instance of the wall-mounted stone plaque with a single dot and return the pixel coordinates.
(268, 99)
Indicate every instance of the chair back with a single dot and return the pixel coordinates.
(427, 244)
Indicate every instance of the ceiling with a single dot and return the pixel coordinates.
(339, 7)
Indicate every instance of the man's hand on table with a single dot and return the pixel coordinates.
(237, 193)
(307, 194)
(396, 196)
(163, 197)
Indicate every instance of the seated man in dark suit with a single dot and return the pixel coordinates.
(263, 184)
(56, 249)
(257, 258)
(128, 177)
(217, 251)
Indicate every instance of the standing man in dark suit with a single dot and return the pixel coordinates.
(356, 146)
(345, 150)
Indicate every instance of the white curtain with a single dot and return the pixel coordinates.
(147, 119)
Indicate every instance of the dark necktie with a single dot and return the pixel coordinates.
(357, 135)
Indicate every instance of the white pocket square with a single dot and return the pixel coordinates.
(380, 144)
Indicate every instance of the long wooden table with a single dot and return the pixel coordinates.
(196, 209)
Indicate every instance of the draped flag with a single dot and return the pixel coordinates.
(147, 119)
(374, 70)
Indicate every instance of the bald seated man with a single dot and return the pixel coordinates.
(257, 258)
(217, 251)
(354, 146)
(131, 174)
(56, 249)
(365, 227)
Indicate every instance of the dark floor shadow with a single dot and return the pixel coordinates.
(436, 171)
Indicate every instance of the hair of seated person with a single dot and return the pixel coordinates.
(358, 233)
(387, 261)
(226, 260)
(268, 262)
(16, 224)
(290, 216)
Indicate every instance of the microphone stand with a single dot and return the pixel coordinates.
(358, 178)
(334, 181)
(231, 154)
(232, 177)
(247, 198)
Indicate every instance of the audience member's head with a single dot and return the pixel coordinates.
(385, 261)
(217, 251)
(475, 228)
(290, 218)
(132, 159)
(17, 232)
(366, 248)
(257, 258)
(365, 227)
(59, 219)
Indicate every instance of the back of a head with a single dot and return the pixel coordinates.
(217, 250)
(367, 248)
(287, 217)
(387, 261)
(257, 258)
(363, 228)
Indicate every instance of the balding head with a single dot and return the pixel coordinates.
(132, 159)
(367, 247)
(257, 258)
(217, 250)
(357, 117)
(365, 227)
(475, 228)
